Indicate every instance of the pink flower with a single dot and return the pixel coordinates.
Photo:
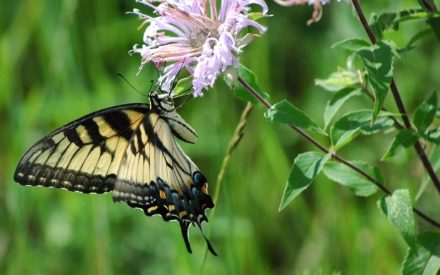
(194, 35)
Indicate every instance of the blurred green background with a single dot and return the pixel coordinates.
(59, 60)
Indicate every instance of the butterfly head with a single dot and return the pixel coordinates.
(163, 105)
(161, 102)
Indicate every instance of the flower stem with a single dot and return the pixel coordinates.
(398, 99)
(334, 156)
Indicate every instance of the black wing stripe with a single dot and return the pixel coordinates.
(93, 131)
(158, 143)
(73, 136)
(119, 121)
(175, 133)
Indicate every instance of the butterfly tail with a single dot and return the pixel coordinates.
(210, 247)
(184, 225)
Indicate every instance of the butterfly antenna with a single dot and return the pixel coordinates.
(151, 86)
(184, 227)
(210, 247)
(129, 84)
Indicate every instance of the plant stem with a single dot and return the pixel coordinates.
(399, 102)
(233, 143)
(340, 159)
(428, 5)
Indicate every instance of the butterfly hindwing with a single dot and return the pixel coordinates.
(159, 178)
(84, 155)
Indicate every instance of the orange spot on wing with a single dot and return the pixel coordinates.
(152, 209)
(162, 194)
(182, 214)
(205, 188)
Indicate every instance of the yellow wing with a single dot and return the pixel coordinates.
(86, 154)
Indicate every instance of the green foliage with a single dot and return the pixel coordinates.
(305, 168)
(336, 102)
(378, 62)
(425, 113)
(380, 23)
(339, 80)
(398, 209)
(426, 258)
(285, 112)
(434, 22)
(345, 176)
(352, 44)
(183, 87)
(434, 159)
(240, 92)
(391, 20)
(404, 139)
(358, 122)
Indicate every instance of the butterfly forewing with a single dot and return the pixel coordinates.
(84, 155)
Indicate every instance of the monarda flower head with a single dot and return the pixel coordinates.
(195, 35)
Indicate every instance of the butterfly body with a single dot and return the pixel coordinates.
(129, 150)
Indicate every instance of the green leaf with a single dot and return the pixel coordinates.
(416, 37)
(378, 62)
(425, 113)
(286, 113)
(336, 102)
(183, 87)
(306, 167)
(338, 80)
(391, 20)
(404, 139)
(348, 126)
(437, 113)
(398, 209)
(380, 23)
(351, 124)
(352, 44)
(434, 22)
(427, 259)
(250, 78)
(354, 181)
(434, 159)
(381, 123)
(432, 135)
